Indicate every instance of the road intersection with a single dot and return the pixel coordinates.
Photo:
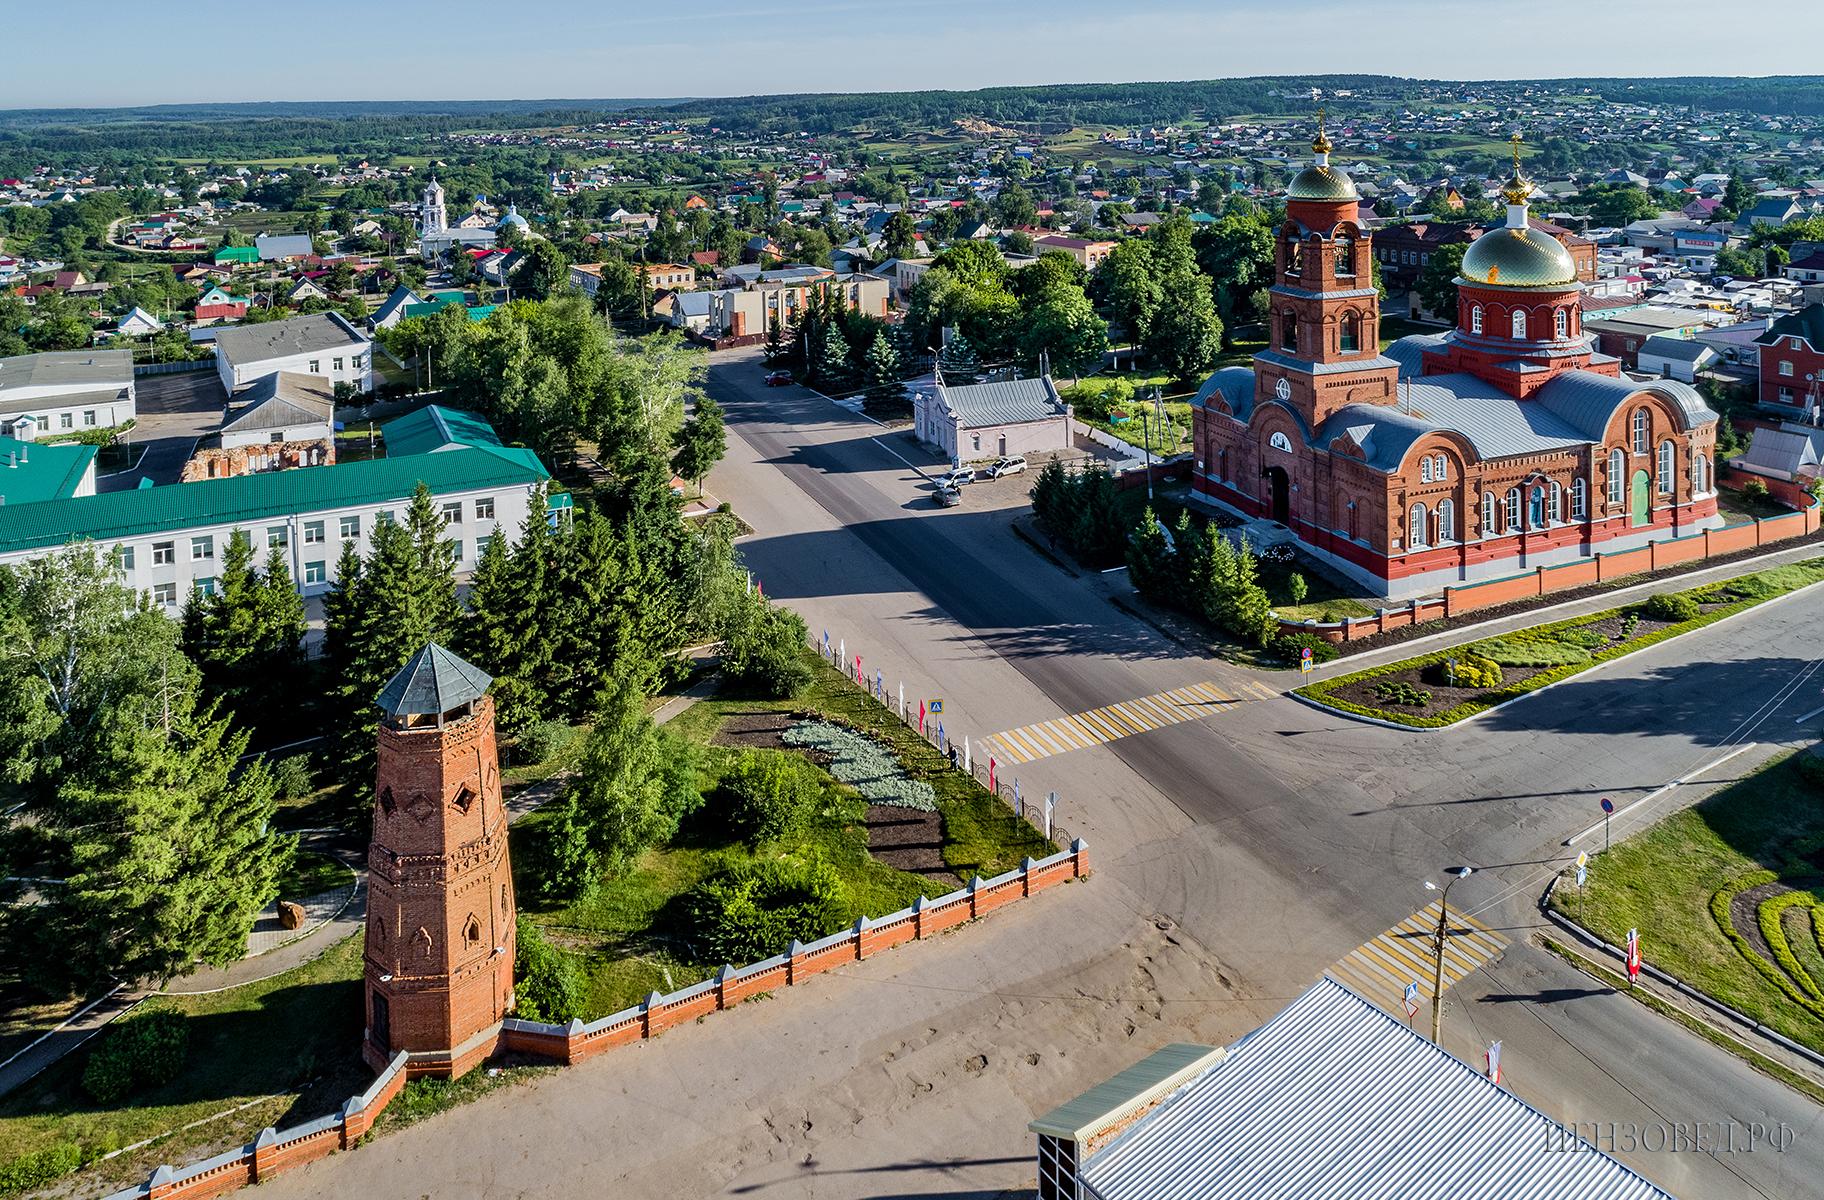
(1238, 855)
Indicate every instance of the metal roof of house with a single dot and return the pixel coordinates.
(1785, 449)
(434, 428)
(1334, 1098)
(283, 398)
(282, 245)
(245, 499)
(30, 472)
(434, 681)
(1236, 386)
(1681, 349)
(66, 368)
(245, 344)
(1008, 403)
(1807, 323)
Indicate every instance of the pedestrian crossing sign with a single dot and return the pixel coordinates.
(1412, 999)
(1304, 660)
(937, 706)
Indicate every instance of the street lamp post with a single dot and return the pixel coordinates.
(1437, 984)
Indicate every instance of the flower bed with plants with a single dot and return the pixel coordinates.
(1433, 690)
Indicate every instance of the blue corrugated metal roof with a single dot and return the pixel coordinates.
(1409, 352)
(1236, 385)
(1335, 1100)
(1588, 401)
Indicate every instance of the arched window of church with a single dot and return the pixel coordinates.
(1666, 466)
(1475, 319)
(1642, 422)
(1417, 526)
(1447, 521)
(1345, 255)
(1280, 441)
(1425, 469)
(1488, 514)
(1698, 471)
(1440, 468)
(1618, 467)
(1519, 326)
(1554, 508)
(1295, 258)
(1350, 335)
(1579, 500)
(1513, 510)
(1561, 322)
(1288, 335)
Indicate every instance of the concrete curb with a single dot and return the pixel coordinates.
(1590, 939)
(1590, 670)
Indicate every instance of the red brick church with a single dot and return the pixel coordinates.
(1505, 444)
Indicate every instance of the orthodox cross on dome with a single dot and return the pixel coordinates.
(1517, 191)
(1321, 143)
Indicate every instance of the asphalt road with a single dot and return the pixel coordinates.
(1236, 858)
(1310, 834)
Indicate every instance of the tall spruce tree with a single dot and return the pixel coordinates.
(1151, 563)
(248, 637)
(958, 361)
(833, 368)
(881, 374)
(402, 596)
(1099, 535)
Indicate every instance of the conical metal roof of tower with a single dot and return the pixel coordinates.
(434, 681)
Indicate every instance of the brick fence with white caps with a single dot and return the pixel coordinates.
(277, 1150)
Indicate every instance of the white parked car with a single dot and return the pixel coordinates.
(1005, 466)
(956, 478)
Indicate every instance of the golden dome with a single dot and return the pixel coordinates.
(1322, 183)
(1519, 258)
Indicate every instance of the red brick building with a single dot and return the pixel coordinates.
(440, 911)
(1792, 360)
(1505, 444)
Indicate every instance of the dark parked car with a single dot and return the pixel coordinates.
(779, 379)
(946, 497)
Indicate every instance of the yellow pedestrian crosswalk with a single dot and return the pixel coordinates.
(1092, 728)
(1380, 969)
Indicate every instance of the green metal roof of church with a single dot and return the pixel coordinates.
(113, 516)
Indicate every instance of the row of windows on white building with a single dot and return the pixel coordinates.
(278, 537)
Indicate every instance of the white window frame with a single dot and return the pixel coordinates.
(279, 536)
(1643, 430)
(1618, 470)
(1514, 503)
(351, 528)
(1416, 520)
(1579, 499)
(452, 512)
(165, 594)
(316, 572)
(1447, 522)
(1666, 476)
(313, 533)
(1425, 469)
(1554, 505)
(202, 548)
(1475, 318)
(484, 509)
(1561, 323)
(1488, 514)
(1518, 322)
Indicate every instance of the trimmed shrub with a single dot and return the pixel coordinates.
(1471, 671)
(1671, 607)
(1289, 645)
(145, 1049)
(1400, 692)
(547, 979)
(542, 741)
(294, 777)
(1589, 639)
(1529, 654)
(770, 794)
(1754, 490)
(757, 909)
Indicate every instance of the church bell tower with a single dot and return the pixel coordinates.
(433, 219)
(1324, 351)
(440, 911)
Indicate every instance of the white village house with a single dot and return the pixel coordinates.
(62, 391)
(990, 420)
(324, 344)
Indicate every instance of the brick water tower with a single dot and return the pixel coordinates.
(440, 893)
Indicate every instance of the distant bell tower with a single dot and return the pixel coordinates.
(440, 912)
(434, 220)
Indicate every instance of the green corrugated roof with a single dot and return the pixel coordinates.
(49, 473)
(247, 499)
(1147, 1080)
(434, 427)
(242, 254)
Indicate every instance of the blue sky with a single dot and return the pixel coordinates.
(110, 52)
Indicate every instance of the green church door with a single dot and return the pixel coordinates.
(1641, 483)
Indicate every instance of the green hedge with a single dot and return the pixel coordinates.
(1791, 577)
(1719, 912)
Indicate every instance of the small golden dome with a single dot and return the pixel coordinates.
(1322, 183)
(1519, 258)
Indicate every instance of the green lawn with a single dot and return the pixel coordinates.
(1661, 881)
(297, 1036)
(627, 929)
(312, 875)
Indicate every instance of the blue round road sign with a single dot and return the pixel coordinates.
(1608, 805)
